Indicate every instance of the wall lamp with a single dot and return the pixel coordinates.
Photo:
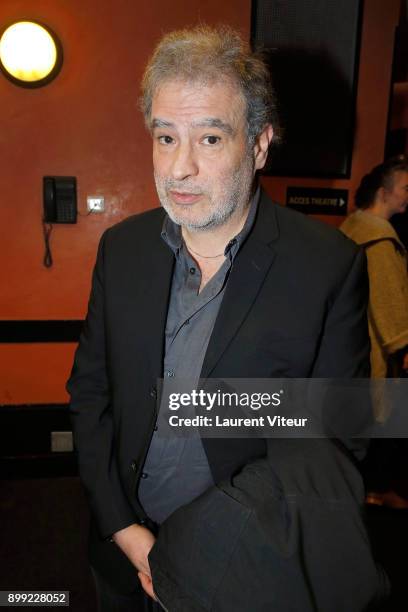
(30, 53)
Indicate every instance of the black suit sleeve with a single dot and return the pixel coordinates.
(345, 348)
(92, 416)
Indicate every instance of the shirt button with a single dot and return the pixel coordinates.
(133, 466)
(170, 373)
(143, 475)
(192, 270)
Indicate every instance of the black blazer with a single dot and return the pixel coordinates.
(295, 306)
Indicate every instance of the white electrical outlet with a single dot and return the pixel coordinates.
(95, 204)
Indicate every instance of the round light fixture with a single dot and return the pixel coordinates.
(30, 54)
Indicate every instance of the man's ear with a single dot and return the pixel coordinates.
(382, 194)
(261, 146)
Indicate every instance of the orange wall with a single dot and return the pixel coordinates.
(86, 124)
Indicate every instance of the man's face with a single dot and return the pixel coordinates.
(203, 165)
(397, 197)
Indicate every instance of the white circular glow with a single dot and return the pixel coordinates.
(27, 51)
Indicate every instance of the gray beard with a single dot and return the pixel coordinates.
(235, 196)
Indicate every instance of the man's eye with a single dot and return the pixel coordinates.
(165, 139)
(211, 140)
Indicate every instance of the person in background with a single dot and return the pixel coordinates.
(383, 193)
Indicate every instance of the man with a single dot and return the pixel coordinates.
(222, 284)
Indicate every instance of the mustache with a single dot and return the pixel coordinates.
(181, 186)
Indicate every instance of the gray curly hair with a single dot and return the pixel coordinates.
(209, 55)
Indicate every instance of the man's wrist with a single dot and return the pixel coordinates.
(135, 541)
(117, 536)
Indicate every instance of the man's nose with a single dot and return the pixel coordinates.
(184, 162)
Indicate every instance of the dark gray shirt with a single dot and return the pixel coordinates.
(176, 469)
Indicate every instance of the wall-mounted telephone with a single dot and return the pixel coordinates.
(60, 199)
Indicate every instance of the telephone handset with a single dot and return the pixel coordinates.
(60, 199)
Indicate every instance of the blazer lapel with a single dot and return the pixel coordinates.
(245, 281)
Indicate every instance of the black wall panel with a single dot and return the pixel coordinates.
(312, 47)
